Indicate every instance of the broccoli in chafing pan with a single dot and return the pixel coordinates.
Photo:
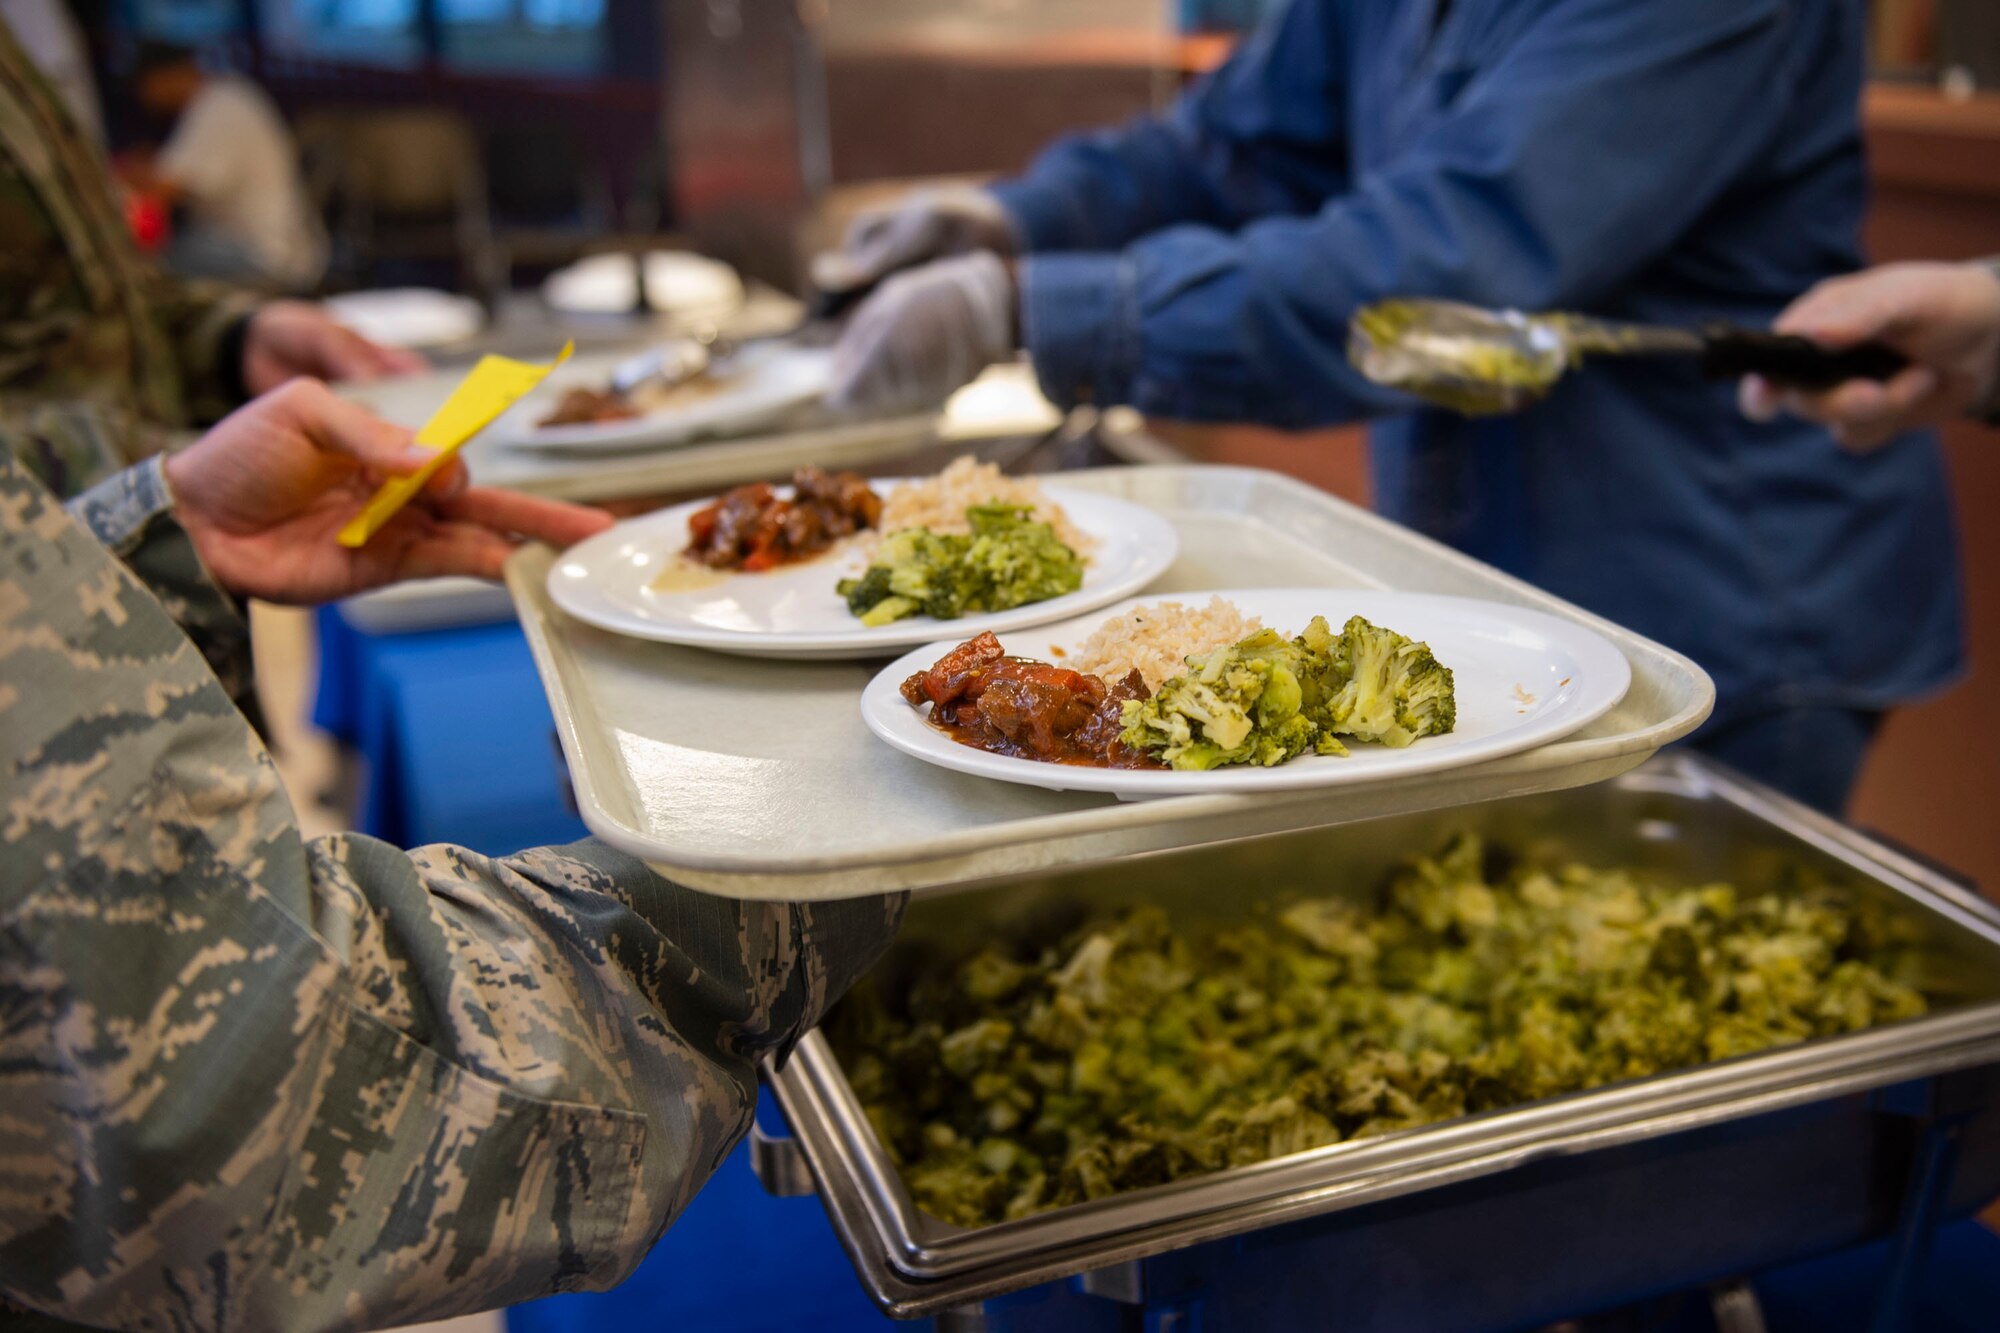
(1128, 1054)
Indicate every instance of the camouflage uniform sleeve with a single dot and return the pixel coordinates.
(255, 1082)
(131, 512)
(71, 445)
(205, 323)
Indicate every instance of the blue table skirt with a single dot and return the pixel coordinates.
(453, 732)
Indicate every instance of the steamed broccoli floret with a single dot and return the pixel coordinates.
(1236, 705)
(1013, 560)
(1266, 699)
(1394, 691)
(1007, 560)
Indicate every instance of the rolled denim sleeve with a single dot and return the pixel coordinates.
(1264, 134)
(1546, 185)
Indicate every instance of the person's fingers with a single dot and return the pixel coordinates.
(1863, 413)
(852, 265)
(441, 550)
(860, 359)
(870, 230)
(346, 355)
(400, 360)
(449, 480)
(1866, 402)
(1758, 399)
(350, 430)
(1834, 313)
(836, 271)
(553, 521)
(1866, 415)
(1886, 304)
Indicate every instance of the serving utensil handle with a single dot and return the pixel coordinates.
(1730, 352)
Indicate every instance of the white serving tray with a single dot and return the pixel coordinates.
(758, 779)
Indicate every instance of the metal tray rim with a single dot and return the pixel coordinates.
(907, 1294)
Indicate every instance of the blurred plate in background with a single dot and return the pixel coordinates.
(686, 286)
(408, 316)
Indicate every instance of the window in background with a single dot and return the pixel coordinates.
(1225, 15)
(370, 32)
(523, 36)
(196, 23)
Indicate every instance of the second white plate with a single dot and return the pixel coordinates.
(761, 384)
(1521, 678)
(631, 580)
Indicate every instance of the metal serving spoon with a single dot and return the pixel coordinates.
(1484, 362)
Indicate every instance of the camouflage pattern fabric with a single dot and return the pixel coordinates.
(83, 317)
(128, 512)
(255, 1082)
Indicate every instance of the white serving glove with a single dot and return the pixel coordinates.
(923, 334)
(927, 225)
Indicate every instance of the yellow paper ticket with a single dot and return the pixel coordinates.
(494, 385)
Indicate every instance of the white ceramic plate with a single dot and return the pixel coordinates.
(1522, 678)
(678, 284)
(793, 611)
(408, 316)
(762, 383)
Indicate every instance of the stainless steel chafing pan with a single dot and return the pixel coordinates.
(1649, 1185)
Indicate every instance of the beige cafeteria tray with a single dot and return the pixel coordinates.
(757, 779)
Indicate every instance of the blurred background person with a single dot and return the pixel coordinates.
(1663, 161)
(231, 170)
(1944, 317)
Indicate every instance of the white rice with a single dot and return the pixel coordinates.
(939, 503)
(1158, 638)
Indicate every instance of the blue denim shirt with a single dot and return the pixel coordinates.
(1669, 160)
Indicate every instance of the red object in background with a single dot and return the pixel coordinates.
(149, 220)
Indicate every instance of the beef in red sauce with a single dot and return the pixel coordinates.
(753, 528)
(1016, 706)
(589, 407)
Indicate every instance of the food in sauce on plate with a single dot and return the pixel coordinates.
(1005, 558)
(1260, 700)
(981, 697)
(587, 406)
(965, 541)
(1055, 1065)
(753, 528)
